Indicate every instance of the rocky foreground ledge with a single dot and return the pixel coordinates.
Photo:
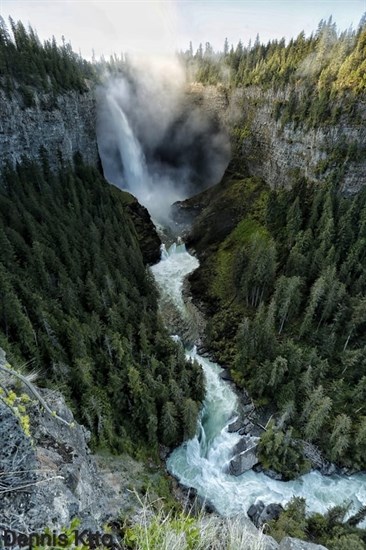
(48, 476)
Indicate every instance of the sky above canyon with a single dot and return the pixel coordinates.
(163, 26)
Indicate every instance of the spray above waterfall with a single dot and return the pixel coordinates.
(153, 138)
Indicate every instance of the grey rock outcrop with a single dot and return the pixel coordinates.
(260, 513)
(49, 477)
(289, 543)
(235, 425)
(65, 124)
(17, 467)
(245, 451)
(265, 542)
(277, 153)
(269, 543)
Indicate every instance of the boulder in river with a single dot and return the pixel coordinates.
(226, 375)
(260, 514)
(273, 475)
(247, 428)
(243, 426)
(242, 445)
(245, 459)
(255, 511)
(235, 426)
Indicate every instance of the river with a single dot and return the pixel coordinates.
(201, 462)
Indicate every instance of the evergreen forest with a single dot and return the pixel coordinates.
(28, 65)
(320, 76)
(78, 305)
(282, 276)
(285, 295)
(282, 272)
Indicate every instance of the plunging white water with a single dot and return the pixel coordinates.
(201, 462)
(153, 188)
(132, 156)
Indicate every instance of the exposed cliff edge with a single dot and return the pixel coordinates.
(278, 152)
(147, 235)
(62, 125)
(48, 476)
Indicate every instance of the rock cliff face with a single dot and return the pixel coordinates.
(62, 125)
(147, 235)
(47, 476)
(277, 153)
(66, 124)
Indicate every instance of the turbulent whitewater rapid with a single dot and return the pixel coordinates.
(201, 462)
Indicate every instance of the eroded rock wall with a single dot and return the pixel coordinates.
(278, 153)
(62, 125)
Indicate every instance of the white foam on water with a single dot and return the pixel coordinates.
(202, 462)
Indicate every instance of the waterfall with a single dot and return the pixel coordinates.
(202, 462)
(125, 164)
(132, 157)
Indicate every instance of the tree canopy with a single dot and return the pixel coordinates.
(27, 64)
(77, 302)
(315, 73)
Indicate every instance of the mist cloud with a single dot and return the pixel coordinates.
(154, 140)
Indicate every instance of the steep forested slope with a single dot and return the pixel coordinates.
(76, 301)
(284, 285)
(77, 304)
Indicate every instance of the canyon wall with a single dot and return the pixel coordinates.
(62, 124)
(279, 153)
(65, 124)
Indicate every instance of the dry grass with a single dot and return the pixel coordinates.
(156, 529)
